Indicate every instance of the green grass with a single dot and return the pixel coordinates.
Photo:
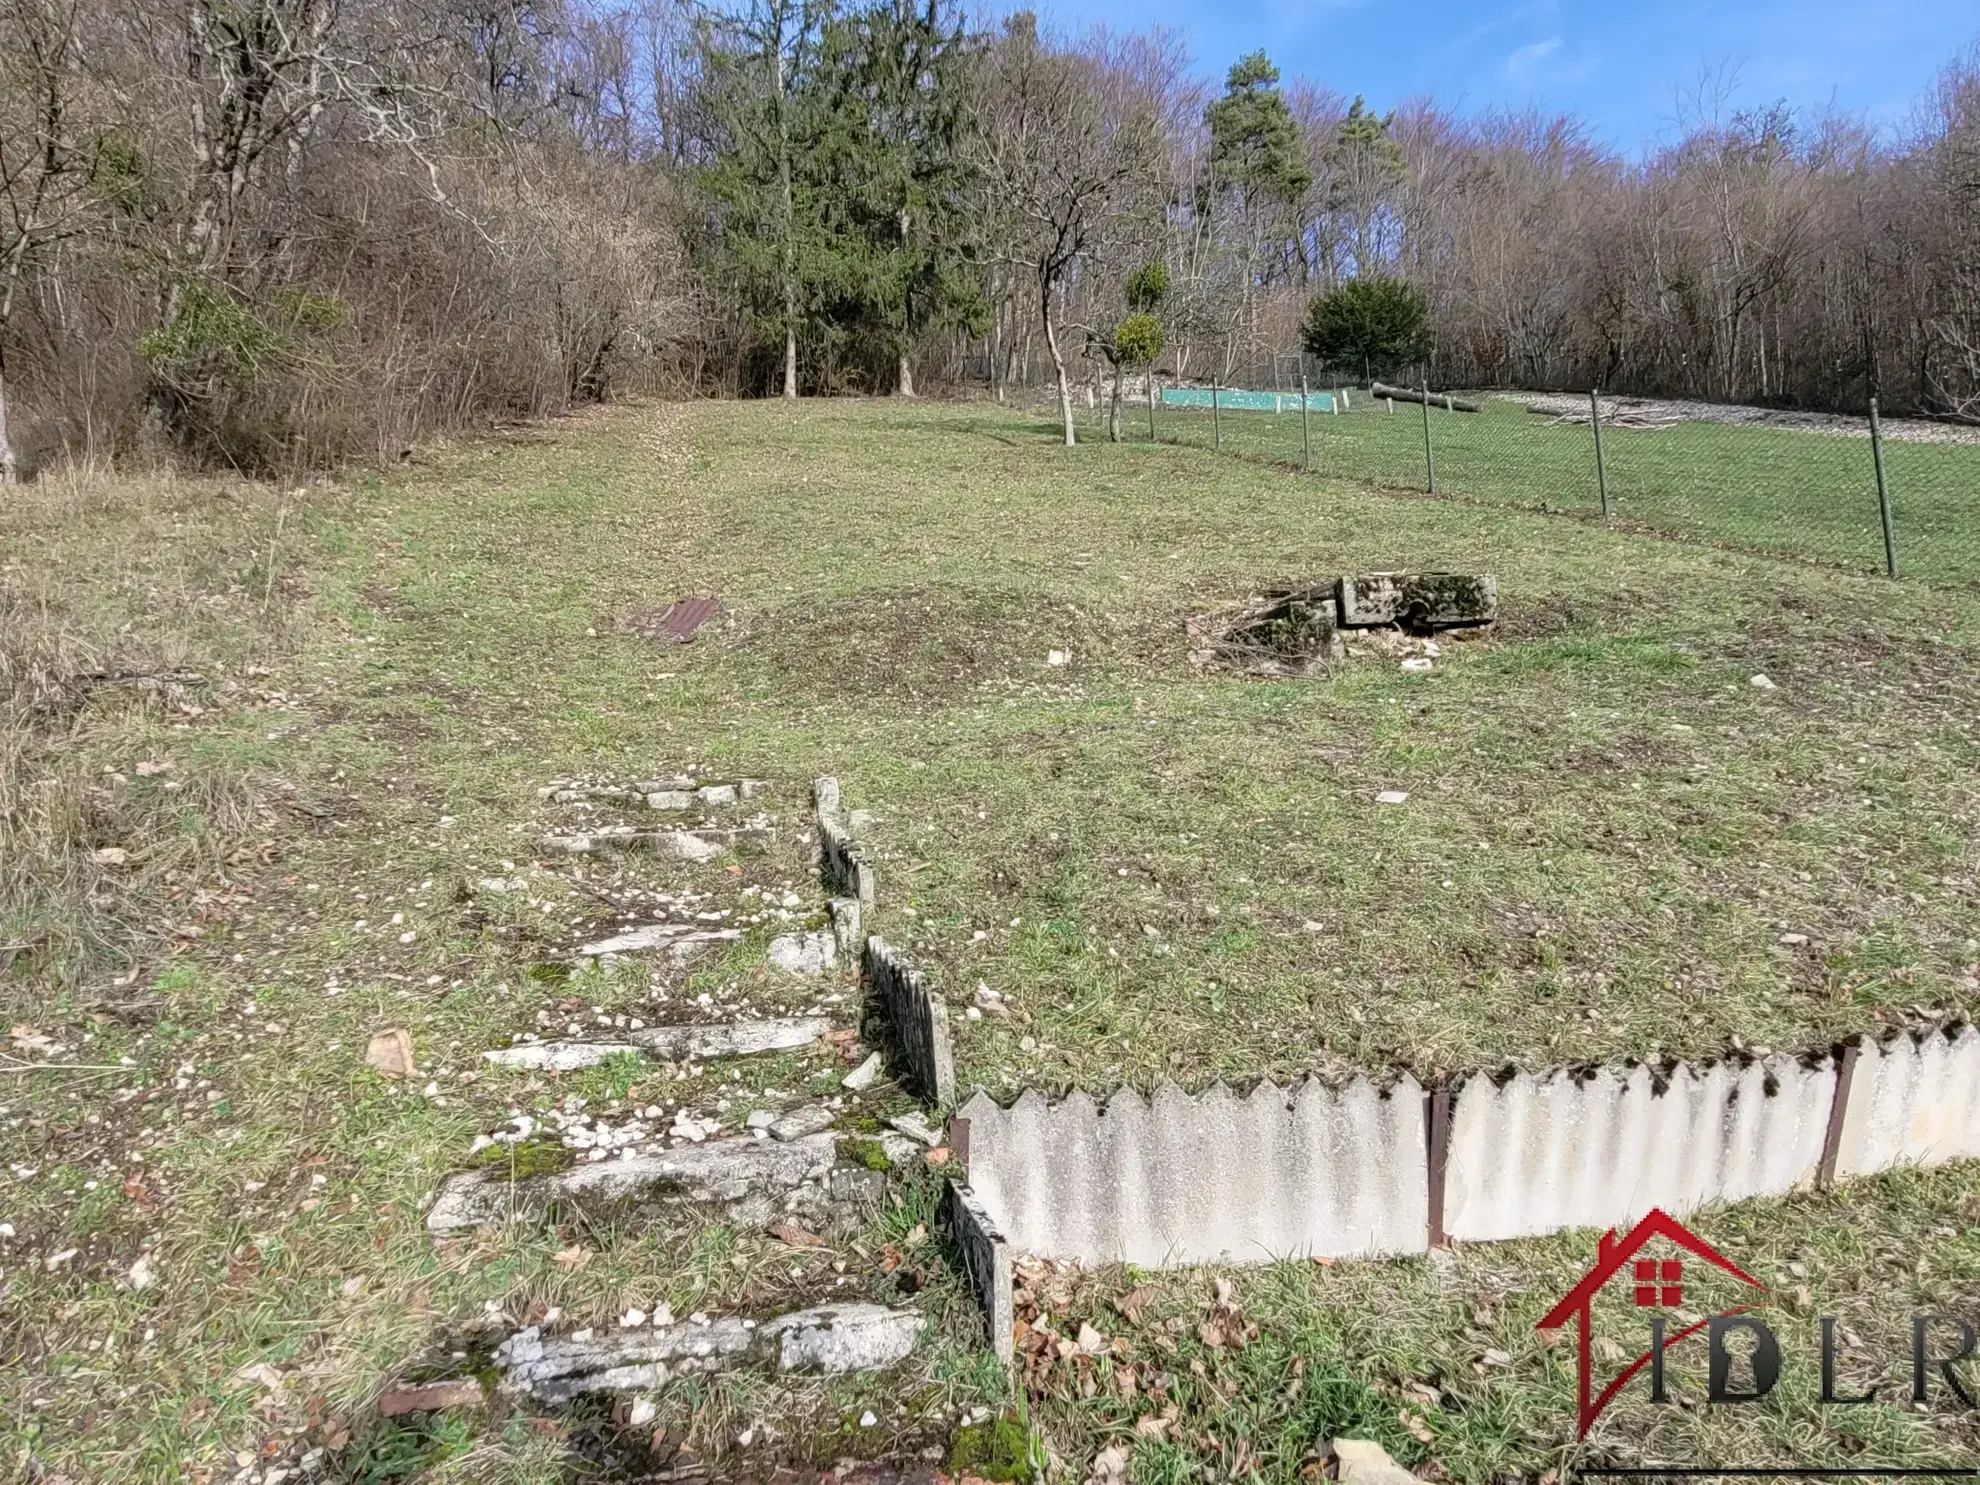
(1808, 495)
(1440, 1362)
(1626, 826)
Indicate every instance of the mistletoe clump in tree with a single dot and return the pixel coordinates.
(1374, 323)
(1138, 338)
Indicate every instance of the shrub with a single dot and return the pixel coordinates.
(1373, 324)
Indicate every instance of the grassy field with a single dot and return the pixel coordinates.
(221, 886)
(1807, 495)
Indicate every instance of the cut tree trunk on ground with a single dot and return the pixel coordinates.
(1437, 399)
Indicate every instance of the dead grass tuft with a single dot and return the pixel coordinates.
(127, 605)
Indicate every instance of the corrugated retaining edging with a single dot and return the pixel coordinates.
(920, 1021)
(1307, 1171)
(919, 1018)
(1536, 1153)
(1370, 1169)
(846, 870)
(1914, 1100)
(986, 1257)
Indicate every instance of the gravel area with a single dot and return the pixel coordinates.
(1660, 411)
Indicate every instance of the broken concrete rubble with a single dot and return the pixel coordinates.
(1288, 632)
(830, 1340)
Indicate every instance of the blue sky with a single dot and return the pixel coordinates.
(1620, 66)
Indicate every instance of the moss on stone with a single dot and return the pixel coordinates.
(869, 1153)
(996, 1449)
(527, 1160)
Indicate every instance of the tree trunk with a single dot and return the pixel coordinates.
(1413, 394)
(1059, 367)
(906, 384)
(1114, 408)
(8, 467)
(789, 245)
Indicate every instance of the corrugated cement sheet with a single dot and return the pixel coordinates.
(1231, 399)
(1218, 1177)
(1538, 1154)
(1913, 1101)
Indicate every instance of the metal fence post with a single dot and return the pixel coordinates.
(1601, 469)
(1305, 426)
(1429, 457)
(1216, 428)
(1151, 404)
(1883, 491)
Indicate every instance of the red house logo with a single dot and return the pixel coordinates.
(1656, 1284)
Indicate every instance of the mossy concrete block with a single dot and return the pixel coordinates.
(1418, 601)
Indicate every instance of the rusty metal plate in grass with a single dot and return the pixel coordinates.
(676, 623)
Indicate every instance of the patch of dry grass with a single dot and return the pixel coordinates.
(130, 607)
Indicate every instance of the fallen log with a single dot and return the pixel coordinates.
(1413, 394)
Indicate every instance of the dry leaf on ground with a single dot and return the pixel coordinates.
(1109, 1466)
(788, 1232)
(391, 1052)
(1135, 1301)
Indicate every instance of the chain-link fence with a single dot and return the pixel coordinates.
(1900, 496)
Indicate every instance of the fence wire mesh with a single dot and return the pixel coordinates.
(1797, 485)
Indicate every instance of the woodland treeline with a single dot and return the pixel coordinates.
(281, 233)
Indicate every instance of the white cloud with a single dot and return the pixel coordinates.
(1524, 61)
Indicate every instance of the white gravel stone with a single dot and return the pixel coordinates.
(804, 954)
(799, 1122)
(862, 1077)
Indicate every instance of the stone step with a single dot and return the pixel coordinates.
(721, 1172)
(669, 792)
(703, 844)
(753, 1180)
(830, 1340)
(697, 1042)
(678, 937)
